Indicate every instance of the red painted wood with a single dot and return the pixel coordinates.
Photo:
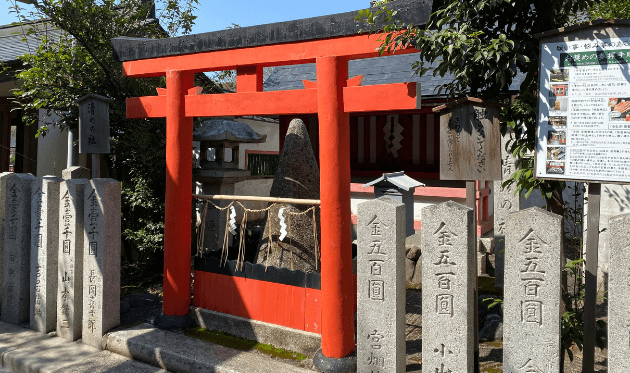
(294, 102)
(240, 297)
(356, 81)
(352, 47)
(309, 84)
(386, 97)
(249, 78)
(199, 288)
(178, 201)
(297, 308)
(313, 314)
(422, 191)
(337, 318)
(146, 107)
(270, 301)
(282, 309)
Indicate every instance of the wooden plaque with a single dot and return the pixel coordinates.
(470, 140)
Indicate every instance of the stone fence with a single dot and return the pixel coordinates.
(60, 254)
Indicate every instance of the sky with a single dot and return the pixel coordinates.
(216, 15)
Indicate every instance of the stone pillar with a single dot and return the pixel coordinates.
(505, 201)
(75, 172)
(101, 265)
(70, 276)
(618, 294)
(532, 303)
(448, 275)
(381, 286)
(17, 245)
(3, 195)
(44, 253)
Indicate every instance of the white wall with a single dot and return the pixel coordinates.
(271, 129)
(52, 149)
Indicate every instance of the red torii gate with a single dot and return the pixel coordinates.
(333, 97)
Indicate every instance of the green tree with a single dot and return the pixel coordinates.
(78, 61)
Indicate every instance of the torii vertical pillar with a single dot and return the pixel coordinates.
(336, 286)
(178, 203)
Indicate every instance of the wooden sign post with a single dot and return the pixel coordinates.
(583, 118)
(470, 149)
(94, 128)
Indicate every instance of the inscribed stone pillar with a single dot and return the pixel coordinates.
(3, 195)
(75, 172)
(44, 253)
(70, 276)
(448, 275)
(381, 286)
(17, 248)
(618, 294)
(533, 265)
(505, 201)
(101, 265)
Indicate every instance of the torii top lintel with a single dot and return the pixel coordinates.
(249, 49)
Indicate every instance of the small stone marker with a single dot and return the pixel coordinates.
(17, 245)
(3, 199)
(505, 202)
(44, 253)
(381, 286)
(533, 265)
(448, 270)
(75, 172)
(70, 275)
(618, 294)
(101, 268)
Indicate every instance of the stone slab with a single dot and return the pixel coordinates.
(13, 337)
(101, 259)
(178, 353)
(290, 339)
(70, 275)
(125, 49)
(17, 249)
(107, 362)
(532, 301)
(618, 295)
(46, 356)
(505, 202)
(3, 184)
(381, 234)
(448, 275)
(75, 172)
(44, 253)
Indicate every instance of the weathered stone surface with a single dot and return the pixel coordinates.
(492, 329)
(3, 194)
(481, 264)
(381, 286)
(17, 248)
(13, 337)
(533, 264)
(417, 273)
(101, 259)
(505, 201)
(618, 294)
(410, 267)
(448, 270)
(414, 253)
(486, 245)
(297, 177)
(107, 362)
(75, 172)
(44, 253)
(70, 275)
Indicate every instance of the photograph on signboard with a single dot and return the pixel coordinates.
(556, 137)
(559, 90)
(558, 122)
(558, 104)
(559, 75)
(555, 153)
(555, 167)
(619, 109)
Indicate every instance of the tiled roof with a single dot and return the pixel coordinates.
(13, 45)
(382, 70)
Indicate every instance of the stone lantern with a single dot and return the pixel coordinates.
(399, 187)
(220, 139)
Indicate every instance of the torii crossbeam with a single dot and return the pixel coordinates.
(330, 42)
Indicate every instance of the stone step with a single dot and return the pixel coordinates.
(13, 337)
(181, 354)
(108, 362)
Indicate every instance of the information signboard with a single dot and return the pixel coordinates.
(584, 111)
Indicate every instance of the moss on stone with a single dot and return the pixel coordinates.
(238, 343)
